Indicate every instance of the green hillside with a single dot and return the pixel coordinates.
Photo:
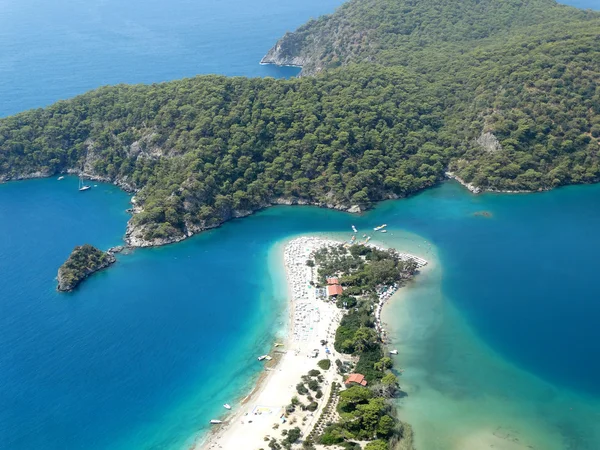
(393, 94)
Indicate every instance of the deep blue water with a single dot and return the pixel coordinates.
(146, 352)
(143, 354)
(584, 4)
(55, 50)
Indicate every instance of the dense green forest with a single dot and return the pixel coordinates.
(82, 262)
(502, 93)
(365, 413)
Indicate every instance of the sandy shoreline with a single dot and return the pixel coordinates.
(310, 321)
(258, 417)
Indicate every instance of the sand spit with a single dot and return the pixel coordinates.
(311, 321)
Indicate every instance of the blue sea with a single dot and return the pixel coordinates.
(498, 336)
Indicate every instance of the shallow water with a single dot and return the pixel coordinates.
(144, 354)
(499, 337)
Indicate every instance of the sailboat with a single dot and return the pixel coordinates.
(82, 185)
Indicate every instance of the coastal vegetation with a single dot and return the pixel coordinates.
(502, 94)
(82, 262)
(364, 412)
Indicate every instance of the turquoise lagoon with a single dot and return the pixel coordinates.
(498, 337)
(499, 334)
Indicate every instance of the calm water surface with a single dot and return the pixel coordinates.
(144, 354)
(55, 50)
(498, 338)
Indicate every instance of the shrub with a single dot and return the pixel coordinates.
(314, 373)
(301, 389)
(324, 364)
(312, 406)
(313, 385)
(377, 445)
(331, 436)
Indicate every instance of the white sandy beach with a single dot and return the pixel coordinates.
(311, 320)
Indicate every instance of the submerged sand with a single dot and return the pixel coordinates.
(461, 394)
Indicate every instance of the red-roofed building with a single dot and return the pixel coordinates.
(333, 280)
(356, 378)
(334, 289)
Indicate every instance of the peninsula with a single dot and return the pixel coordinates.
(83, 261)
(394, 95)
(331, 382)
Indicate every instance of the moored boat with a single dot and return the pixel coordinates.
(61, 178)
(394, 352)
(215, 422)
(227, 406)
(83, 186)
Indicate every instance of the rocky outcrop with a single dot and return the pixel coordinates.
(287, 52)
(25, 176)
(471, 187)
(83, 262)
(315, 46)
(478, 190)
(488, 142)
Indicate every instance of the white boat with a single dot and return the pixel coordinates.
(354, 229)
(394, 352)
(215, 422)
(83, 186)
(380, 227)
(263, 357)
(61, 178)
(227, 406)
(384, 231)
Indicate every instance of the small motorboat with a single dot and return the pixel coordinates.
(384, 231)
(227, 406)
(354, 228)
(393, 352)
(215, 422)
(263, 357)
(61, 178)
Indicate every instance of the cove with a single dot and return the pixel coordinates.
(144, 354)
(499, 337)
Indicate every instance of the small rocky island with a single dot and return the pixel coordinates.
(83, 261)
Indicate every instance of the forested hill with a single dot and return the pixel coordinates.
(403, 31)
(503, 93)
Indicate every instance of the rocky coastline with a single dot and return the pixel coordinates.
(479, 190)
(134, 235)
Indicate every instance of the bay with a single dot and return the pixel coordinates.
(144, 354)
(54, 50)
(498, 338)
